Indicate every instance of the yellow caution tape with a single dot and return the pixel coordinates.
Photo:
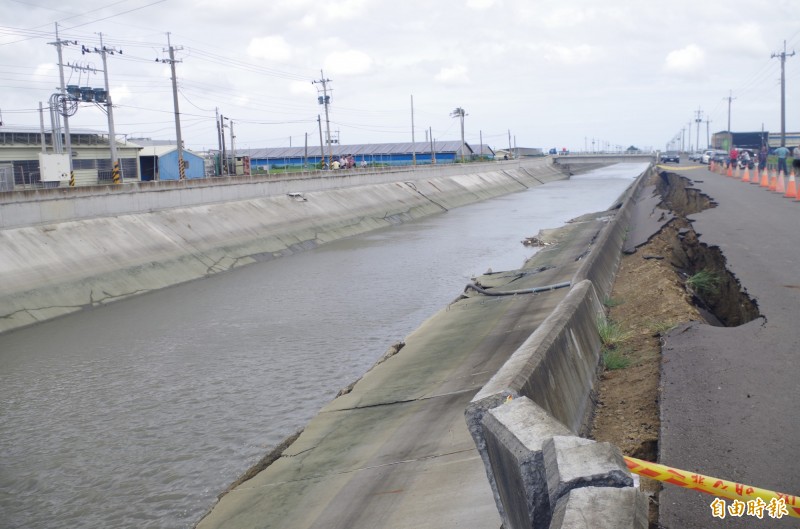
(709, 485)
(681, 167)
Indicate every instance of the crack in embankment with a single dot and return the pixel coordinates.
(723, 297)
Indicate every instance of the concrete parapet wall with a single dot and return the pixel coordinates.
(601, 263)
(556, 368)
(539, 467)
(61, 267)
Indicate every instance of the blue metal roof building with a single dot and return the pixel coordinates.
(372, 153)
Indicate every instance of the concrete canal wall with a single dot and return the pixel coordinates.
(62, 252)
(526, 421)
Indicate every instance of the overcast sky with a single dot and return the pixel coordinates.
(555, 73)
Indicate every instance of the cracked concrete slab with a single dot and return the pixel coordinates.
(647, 218)
(395, 451)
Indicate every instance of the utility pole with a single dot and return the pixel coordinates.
(730, 99)
(112, 136)
(41, 127)
(460, 113)
(219, 141)
(232, 169)
(783, 56)
(697, 120)
(433, 145)
(708, 136)
(321, 145)
(67, 139)
(223, 163)
(325, 99)
(689, 143)
(413, 143)
(172, 61)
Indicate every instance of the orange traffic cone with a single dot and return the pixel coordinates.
(746, 177)
(765, 178)
(730, 170)
(773, 183)
(781, 187)
(791, 189)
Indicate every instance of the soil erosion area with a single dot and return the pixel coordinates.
(655, 290)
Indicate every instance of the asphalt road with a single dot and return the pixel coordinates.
(729, 404)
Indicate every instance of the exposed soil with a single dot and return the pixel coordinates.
(647, 300)
(650, 297)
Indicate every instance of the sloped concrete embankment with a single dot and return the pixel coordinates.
(526, 421)
(103, 255)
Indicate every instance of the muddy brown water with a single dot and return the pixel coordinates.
(138, 414)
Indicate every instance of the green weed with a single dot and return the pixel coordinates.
(611, 333)
(704, 282)
(615, 359)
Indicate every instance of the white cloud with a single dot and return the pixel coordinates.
(566, 17)
(685, 60)
(580, 54)
(453, 75)
(273, 48)
(348, 62)
(345, 9)
(301, 88)
(120, 94)
(45, 69)
(480, 5)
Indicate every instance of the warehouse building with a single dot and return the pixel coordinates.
(91, 159)
(371, 154)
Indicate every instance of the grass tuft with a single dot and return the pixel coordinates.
(660, 328)
(704, 282)
(612, 302)
(611, 333)
(615, 359)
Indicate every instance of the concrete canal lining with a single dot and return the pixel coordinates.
(63, 253)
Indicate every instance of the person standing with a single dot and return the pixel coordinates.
(733, 157)
(762, 157)
(796, 160)
(782, 152)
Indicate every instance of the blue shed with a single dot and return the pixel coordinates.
(160, 162)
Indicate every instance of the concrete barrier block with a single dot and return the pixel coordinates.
(601, 508)
(515, 434)
(574, 462)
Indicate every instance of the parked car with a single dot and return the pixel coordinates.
(720, 157)
(709, 154)
(671, 156)
(695, 156)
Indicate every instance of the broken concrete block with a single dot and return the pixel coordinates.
(515, 433)
(601, 508)
(572, 462)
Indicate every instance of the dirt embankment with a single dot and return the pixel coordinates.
(672, 279)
